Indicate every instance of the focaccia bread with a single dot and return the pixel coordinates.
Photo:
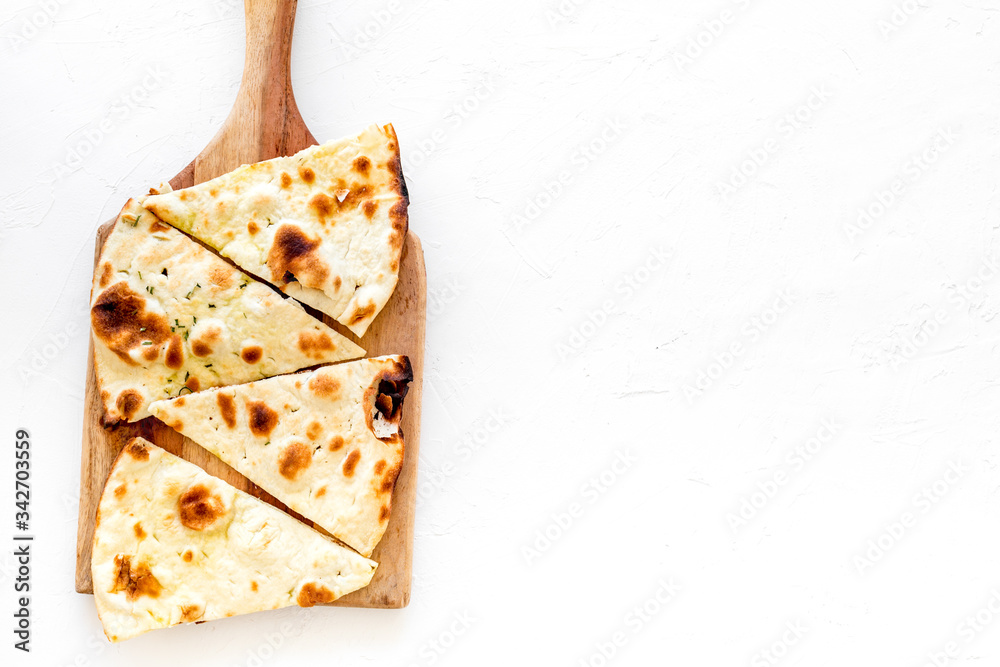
(327, 443)
(325, 225)
(175, 545)
(169, 317)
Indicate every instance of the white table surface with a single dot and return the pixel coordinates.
(601, 303)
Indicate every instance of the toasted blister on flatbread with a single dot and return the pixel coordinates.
(325, 225)
(174, 545)
(327, 443)
(169, 317)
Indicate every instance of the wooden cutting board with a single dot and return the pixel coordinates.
(265, 123)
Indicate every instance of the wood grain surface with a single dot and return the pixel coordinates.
(265, 123)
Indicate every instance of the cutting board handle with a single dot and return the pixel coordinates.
(264, 121)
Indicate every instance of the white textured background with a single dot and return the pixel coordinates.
(594, 296)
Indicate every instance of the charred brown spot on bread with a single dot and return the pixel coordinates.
(193, 383)
(137, 450)
(184, 195)
(286, 179)
(200, 348)
(128, 402)
(323, 205)
(394, 164)
(320, 492)
(191, 612)
(361, 165)
(253, 227)
(314, 343)
(398, 214)
(362, 314)
(199, 508)
(337, 282)
(177, 425)
(295, 253)
(227, 408)
(139, 532)
(221, 275)
(134, 581)
(150, 352)
(369, 207)
(158, 226)
(384, 396)
(253, 586)
(293, 459)
(187, 556)
(120, 321)
(179, 402)
(351, 462)
(252, 354)
(314, 430)
(307, 174)
(400, 223)
(324, 386)
(120, 490)
(336, 443)
(383, 514)
(389, 479)
(175, 353)
(106, 273)
(349, 197)
(262, 419)
(313, 594)
(380, 466)
(357, 194)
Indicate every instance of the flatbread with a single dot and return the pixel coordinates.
(326, 443)
(175, 545)
(325, 225)
(169, 317)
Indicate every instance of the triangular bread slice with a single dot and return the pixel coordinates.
(325, 225)
(169, 317)
(174, 545)
(327, 443)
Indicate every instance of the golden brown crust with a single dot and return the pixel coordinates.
(293, 459)
(351, 462)
(313, 594)
(314, 343)
(252, 353)
(134, 581)
(294, 256)
(324, 386)
(128, 402)
(199, 508)
(120, 321)
(136, 448)
(227, 408)
(262, 418)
